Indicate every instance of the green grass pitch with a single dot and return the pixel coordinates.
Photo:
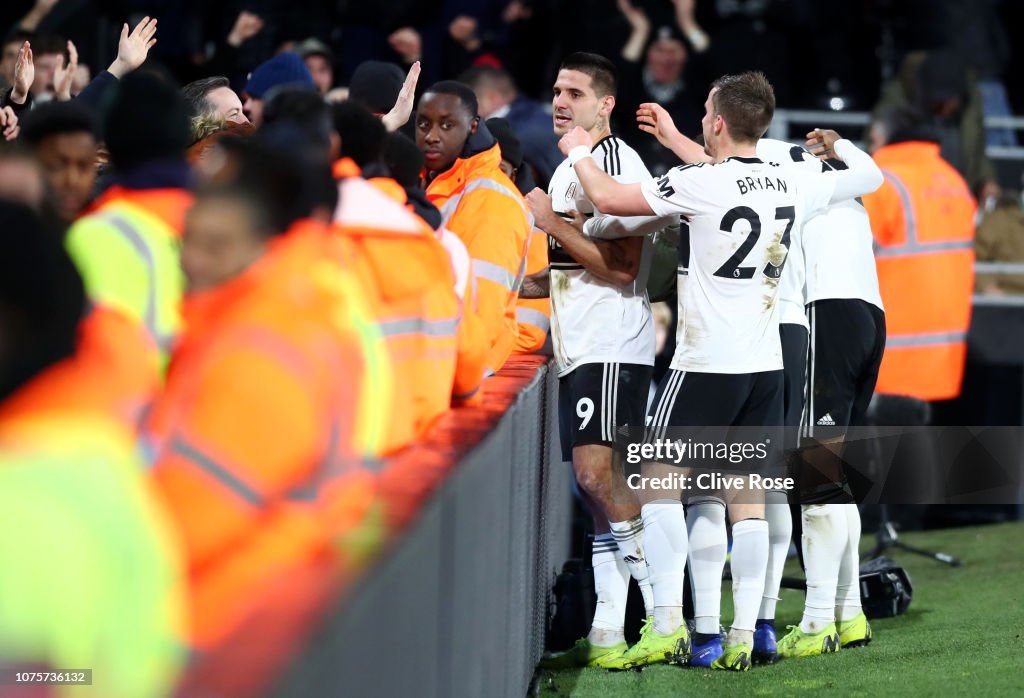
(963, 635)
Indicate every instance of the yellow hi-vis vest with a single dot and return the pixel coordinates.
(129, 259)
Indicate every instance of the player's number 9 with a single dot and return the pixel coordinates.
(585, 410)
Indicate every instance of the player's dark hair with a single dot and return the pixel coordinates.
(603, 76)
(57, 118)
(196, 93)
(362, 134)
(457, 89)
(746, 102)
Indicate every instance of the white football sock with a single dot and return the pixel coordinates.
(749, 559)
(848, 591)
(611, 584)
(824, 541)
(705, 520)
(630, 537)
(665, 537)
(780, 531)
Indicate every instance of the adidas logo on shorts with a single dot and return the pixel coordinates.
(826, 421)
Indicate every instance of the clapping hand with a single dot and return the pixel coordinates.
(24, 74)
(64, 75)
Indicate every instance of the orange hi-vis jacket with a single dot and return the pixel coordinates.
(274, 399)
(107, 374)
(923, 222)
(534, 314)
(407, 278)
(471, 358)
(482, 206)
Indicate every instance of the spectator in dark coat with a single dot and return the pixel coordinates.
(498, 98)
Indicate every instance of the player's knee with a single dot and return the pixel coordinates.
(594, 477)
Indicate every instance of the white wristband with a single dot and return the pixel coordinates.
(578, 153)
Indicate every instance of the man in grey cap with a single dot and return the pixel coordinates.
(319, 60)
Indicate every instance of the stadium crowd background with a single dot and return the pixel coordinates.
(814, 53)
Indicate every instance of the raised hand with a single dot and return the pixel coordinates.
(24, 74)
(516, 11)
(576, 137)
(462, 29)
(64, 76)
(654, 119)
(133, 47)
(399, 114)
(247, 25)
(634, 15)
(821, 142)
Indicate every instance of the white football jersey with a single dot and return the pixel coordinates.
(791, 286)
(593, 321)
(741, 213)
(832, 256)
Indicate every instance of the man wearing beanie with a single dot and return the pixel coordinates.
(283, 69)
(126, 245)
(375, 85)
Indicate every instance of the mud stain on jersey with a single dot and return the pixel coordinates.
(561, 281)
(694, 336)
(777, 253)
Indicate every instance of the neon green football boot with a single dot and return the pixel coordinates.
(581, 654)
(800, 644)
(734, 658)
(855, 632)
(652, 648)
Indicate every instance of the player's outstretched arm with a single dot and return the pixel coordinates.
(614, 261)
(863, 175)
(610, 227)
(654, 119)
(605, 193)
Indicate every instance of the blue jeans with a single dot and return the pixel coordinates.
(995, 103)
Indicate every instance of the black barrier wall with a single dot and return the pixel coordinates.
(458, 606)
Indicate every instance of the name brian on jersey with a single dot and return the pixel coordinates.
(748, 184)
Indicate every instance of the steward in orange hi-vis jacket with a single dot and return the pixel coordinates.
(478, 203)
(472, 348)
(275, 405)
(923, 222)
(408, 280)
